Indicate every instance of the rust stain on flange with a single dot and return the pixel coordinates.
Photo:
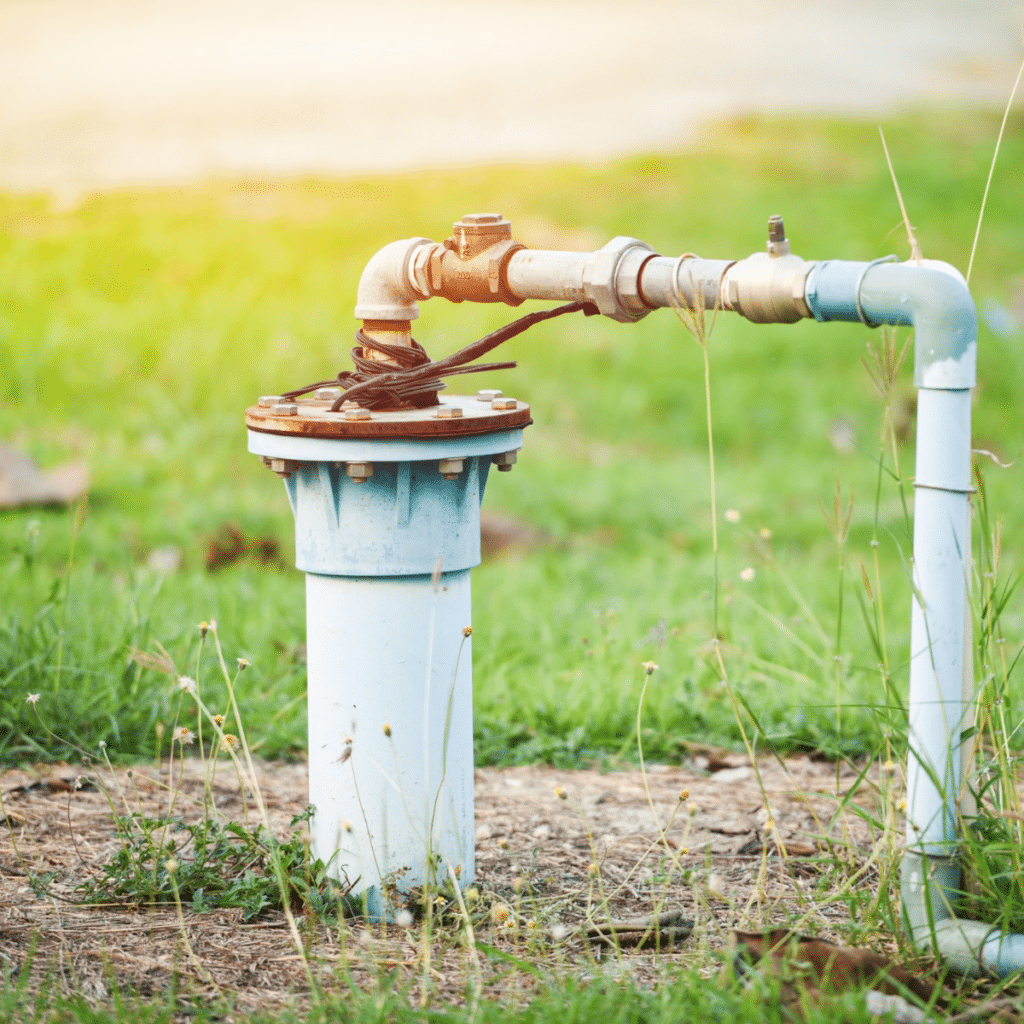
(314, 419)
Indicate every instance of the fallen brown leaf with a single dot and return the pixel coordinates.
(833, 968)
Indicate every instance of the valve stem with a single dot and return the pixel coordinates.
(778, 244)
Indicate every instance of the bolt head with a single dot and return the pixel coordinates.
(327, 394)
(359, 472)
(505, 460)
(504, 403)
(357, 414)
(488, 394)
(266, 401)
(285, 409)
(451, 469)
(449, 412)
(282, 467)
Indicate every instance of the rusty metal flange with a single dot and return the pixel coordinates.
(456, 416)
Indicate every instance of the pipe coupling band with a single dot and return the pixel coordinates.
(892, 258)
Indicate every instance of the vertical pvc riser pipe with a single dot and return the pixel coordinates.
(933, 298)
(390, 675)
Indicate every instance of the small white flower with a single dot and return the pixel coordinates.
(747, 574)
(403, 919)
(186, 685)
(243, 664)
(649, 667)
(732, 515)
(764, 533)
(559, 932)
(183, 735)
(33, 698)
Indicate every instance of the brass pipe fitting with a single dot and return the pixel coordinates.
(471, 264)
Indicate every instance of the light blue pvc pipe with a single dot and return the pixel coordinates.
(390, 660)
(932, 298)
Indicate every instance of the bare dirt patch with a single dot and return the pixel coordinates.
(715, 845)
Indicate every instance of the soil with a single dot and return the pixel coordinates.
(739, 849)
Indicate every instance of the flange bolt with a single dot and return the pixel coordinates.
(488, 394)
(504, 403)
(450, 469)
(359, 472)
(505, 461)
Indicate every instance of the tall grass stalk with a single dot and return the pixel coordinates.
(693, 316)
(992, 168)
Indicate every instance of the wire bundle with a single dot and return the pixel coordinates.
(418, 379)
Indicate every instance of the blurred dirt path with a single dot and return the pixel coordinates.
(105, 92)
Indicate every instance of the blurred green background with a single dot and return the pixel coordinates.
(136, 327)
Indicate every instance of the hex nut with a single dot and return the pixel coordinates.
(449, 412)
(282, 467)
(327, 394)
(357, 414)
(450, 469)
(505, 461)
(601, 278)
(359, 472)
(266, 401)
(504, 403)
(488, 394)
(285, 409)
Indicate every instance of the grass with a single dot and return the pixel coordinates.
(690, 997)
(137, 327)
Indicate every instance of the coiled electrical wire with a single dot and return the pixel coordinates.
(418, 379)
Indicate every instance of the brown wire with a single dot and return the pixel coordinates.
(418, 379)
